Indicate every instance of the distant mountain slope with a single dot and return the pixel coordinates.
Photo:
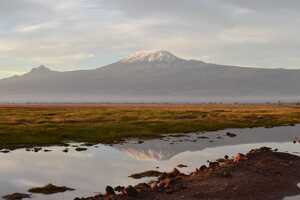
(157, 76)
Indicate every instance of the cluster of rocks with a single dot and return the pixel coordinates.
(166, 183)
(47, 189)
(37, 149)
(223, 178)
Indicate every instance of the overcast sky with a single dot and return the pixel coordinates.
(82, 34)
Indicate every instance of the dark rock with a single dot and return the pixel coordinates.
(131, 191)
(214, 164)
(66, 150)
(16, 196)
(240, 157)
(80, 149)
(203, 137)
(150, 173)
(88, 144)
(50, 189)
(153, 185)
(143, 187)
(182, 166)
(37, 149)
(203, 167)
(221, 160)
(119, 188)
(173, 174)
(109, 190)
(230, 134)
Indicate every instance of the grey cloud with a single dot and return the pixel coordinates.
(224, 31)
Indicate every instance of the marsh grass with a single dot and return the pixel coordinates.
(47, 125)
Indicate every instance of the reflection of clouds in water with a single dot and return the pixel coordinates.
(8, 164)
(90, 171)
(194, 159)
(25, 182)
(143, 155)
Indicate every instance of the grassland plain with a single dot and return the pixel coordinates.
(30, 125)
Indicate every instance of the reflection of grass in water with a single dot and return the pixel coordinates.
(53, 125)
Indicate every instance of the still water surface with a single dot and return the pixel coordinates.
(90, 171)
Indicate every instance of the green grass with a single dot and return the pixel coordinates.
(47, 125)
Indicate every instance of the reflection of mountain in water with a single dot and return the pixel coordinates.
(157, 149)
(143, 154)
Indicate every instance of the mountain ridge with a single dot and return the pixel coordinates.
(153, 77)
(149, 56)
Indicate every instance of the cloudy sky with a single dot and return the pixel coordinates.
(83, 34)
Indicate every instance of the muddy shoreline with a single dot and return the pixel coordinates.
(260, 174)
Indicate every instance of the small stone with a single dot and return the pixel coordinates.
(37, 149)
(154, 186)
(203, 167)
(214, 164)
(119, 188)
(66, 150)
(109, 190)
(239, 157)
(16, 196)
(80, 149)
(131, 191)
(230, 134)
(4, 151)
(143, 187)
(182, 166)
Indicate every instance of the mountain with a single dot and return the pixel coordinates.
(153, 76)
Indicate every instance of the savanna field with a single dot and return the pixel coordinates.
(28, 125)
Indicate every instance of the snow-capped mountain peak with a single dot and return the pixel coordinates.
(151, 56)
(40, 69)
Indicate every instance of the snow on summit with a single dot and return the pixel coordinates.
(151, 56)
(40, 69)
